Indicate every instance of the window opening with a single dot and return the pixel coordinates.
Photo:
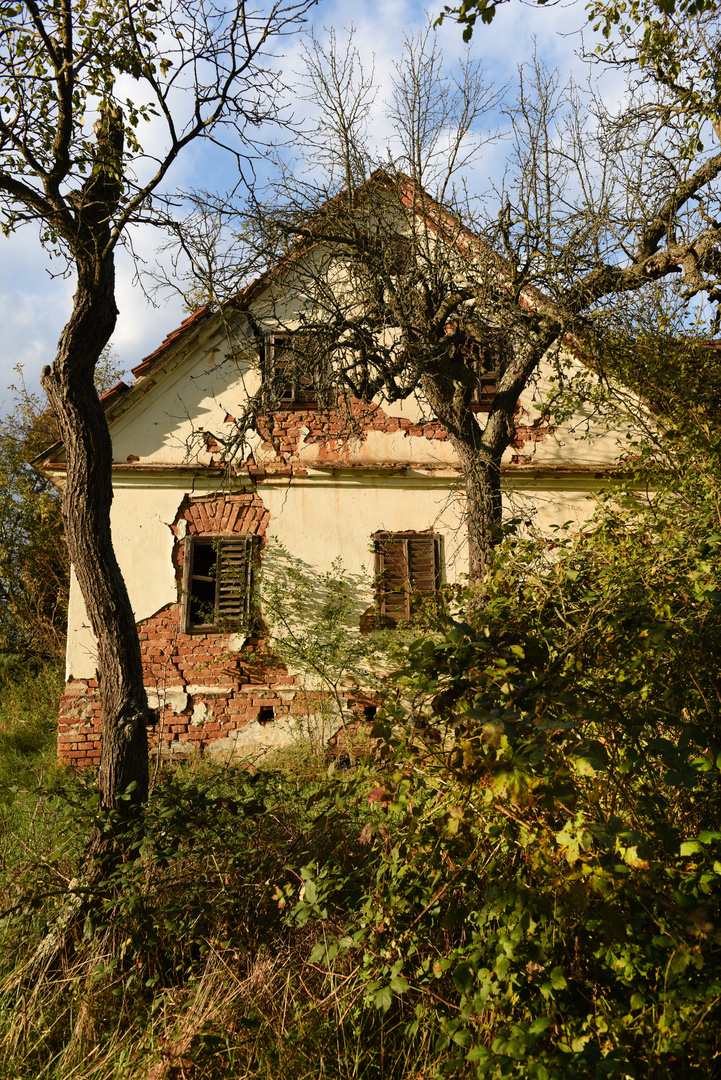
(485, 360)
(266, 714)
(218, 583)
(281, 363)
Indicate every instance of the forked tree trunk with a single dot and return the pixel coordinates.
(86, 513)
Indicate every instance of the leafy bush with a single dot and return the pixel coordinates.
(546, 835)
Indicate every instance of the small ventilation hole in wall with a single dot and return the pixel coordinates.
(369, 712)
(266, 714)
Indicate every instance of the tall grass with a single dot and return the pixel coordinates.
(29, 693)
(188, 965)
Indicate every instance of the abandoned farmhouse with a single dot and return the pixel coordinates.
(197, 510)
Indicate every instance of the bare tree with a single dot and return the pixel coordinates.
(403, 281)
(77, 84)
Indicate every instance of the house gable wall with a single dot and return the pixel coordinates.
(182, 414)
(299, 480)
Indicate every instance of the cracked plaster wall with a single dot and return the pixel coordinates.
(197, 397)
(317, 519)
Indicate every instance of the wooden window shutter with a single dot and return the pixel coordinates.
(218, 582)
(424, 564)
(406, 564)
(486, 362)
(392, 577)
(235, 578)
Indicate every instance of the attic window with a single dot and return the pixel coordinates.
(218, 577)
(399, 256)
(408, 566)
(288, 371)
(392, 255)
(485, 359)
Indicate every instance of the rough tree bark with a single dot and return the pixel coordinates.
(448, 390)
(480, 464)
(88, 494)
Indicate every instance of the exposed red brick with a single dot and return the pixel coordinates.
(175, 661)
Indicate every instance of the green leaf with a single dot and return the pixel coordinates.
(310, 893)
(477, 1053)
(463, 977)
(383, 999)
(317, 953)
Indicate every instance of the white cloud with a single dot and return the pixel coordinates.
(34, 307)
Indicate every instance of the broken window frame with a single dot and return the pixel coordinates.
(293, 394)
(397, 588)
(488, 374)
(392, 255)
(227, 585)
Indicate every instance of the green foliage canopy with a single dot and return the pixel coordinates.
(609, 12)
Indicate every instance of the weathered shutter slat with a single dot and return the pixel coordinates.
(406, 563)
(217, 581)
(395, 577)
(424, 564)
(235, 564)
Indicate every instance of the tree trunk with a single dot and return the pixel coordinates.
(86, 512)
(480, 459)
(484, 513)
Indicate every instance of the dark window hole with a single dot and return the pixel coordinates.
(369, 712)
(266, 714)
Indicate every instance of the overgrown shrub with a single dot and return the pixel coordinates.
(547, 866)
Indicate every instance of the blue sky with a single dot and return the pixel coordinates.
(34, 305)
